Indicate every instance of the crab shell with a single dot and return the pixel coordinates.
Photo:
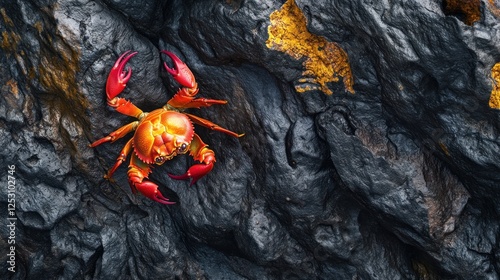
(161, 135)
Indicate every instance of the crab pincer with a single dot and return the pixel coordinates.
(195, 172)
(150, 190)
(118, 77)
(200, 152)
(180, 72)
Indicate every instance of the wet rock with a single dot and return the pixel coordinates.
(396, 177)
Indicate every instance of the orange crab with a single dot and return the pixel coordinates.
(163, 133)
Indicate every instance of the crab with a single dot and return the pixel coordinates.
(161, 134)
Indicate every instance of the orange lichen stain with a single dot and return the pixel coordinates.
(38, 26)
(494, 8)
(324, 61)
(57, 71)
(13, 87)
(495, 92)
(470, 10)
(6, 18)
(444, 148)
(10, 41)
(424, 270)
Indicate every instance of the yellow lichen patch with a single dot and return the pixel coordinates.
(324, 61)
(470, 10)
(495, 92)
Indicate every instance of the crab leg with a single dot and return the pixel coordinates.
(137, 177)
(212, 126)
(181, 100)
(200, 152)
(125, 107)
(121, 158)
(117, 134)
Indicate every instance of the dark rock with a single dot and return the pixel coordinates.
(400, 180)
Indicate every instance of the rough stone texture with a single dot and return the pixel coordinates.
(400, 180)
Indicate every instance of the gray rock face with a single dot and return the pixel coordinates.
(400, 180)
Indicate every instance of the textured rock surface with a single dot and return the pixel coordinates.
(400, 180)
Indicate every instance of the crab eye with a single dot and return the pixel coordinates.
(182, 149)
(159, 160)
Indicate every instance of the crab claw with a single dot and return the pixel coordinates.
(150, 190)
(195, 172)
(180, 72)
(118, 78)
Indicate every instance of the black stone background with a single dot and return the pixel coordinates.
(398, 181)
